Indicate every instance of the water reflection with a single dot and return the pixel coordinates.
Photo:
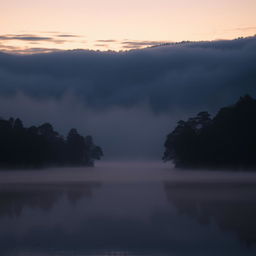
(134, 218)
(14, 198)
(231, 206)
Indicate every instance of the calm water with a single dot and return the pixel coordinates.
(131, 209)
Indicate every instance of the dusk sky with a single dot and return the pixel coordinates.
(30, 25)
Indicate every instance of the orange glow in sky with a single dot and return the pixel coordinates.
(119, 25)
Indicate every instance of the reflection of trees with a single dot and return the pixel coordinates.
(232, 207)
(15, 198)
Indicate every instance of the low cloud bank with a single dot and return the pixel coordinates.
(127, 100)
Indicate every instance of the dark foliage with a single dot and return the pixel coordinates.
(227, 140)
(41, 146)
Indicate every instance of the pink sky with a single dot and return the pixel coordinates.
(117, 24)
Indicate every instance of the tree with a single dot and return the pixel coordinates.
(40, 146)
(227, 140)
(18, 125)
(76, 147)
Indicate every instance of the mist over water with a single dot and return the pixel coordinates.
(123, 172)
(127, 208)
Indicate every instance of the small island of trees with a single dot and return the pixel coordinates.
(41, 146)
(227, 140)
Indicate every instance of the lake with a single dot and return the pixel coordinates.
(127, 209)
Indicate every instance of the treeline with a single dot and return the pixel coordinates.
(227, 140)
(43, 146)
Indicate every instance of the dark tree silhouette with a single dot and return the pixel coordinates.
(42, 145)
(76, 147)
(227, 140)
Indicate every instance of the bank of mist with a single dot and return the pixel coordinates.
(128, 100)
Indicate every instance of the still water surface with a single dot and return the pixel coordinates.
(127, 209)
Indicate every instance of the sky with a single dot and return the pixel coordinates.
(30, 26)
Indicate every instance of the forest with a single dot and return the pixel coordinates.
(42, 146)
(228, 140)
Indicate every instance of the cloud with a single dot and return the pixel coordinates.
(183, 75)
(9, 48)
(32, 38)
(128, 100)
(36, 50)
(67, 35)
(101, 45)
(6, 42)
(31, 50)
(106, 41)
(25, 37)
(139, 44)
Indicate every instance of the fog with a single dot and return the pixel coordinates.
(124, 133)
(129, 100)
(125, 172)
